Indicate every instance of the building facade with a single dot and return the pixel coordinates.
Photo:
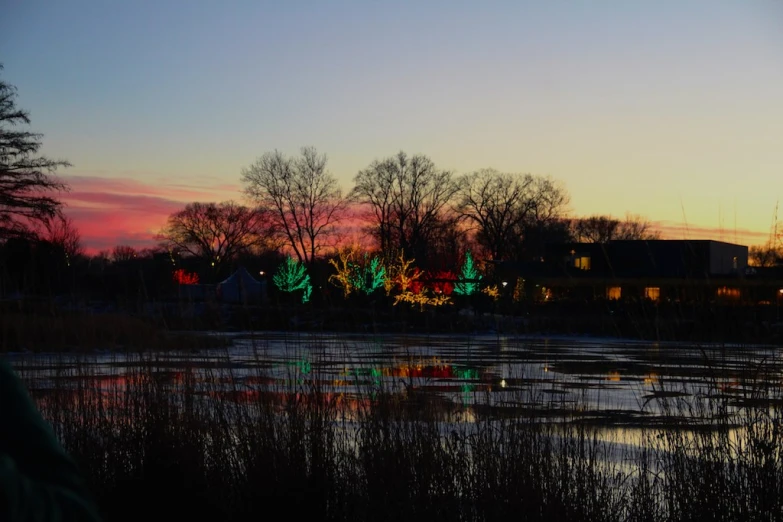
(654, 270)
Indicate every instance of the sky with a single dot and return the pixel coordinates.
(669, 109)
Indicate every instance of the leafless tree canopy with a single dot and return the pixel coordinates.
(549, 200)
(215, 232)
(27, 180)
(121, 253)
(407, 198)
(766, 255)
(303, 198)
(602, 229)
(497, 205)
(507, 210)
(59, 231)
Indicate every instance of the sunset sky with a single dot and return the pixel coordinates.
(669, 109)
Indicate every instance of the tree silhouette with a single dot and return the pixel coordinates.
(121, 253)
(407, 198)
(766, 255)
(27, 180)
(61, 233)
(215, 232)
(498, 205)
(602, 229)
(303, 198)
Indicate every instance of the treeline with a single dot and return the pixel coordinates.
(400, 207)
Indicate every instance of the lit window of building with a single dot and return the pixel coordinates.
(582, 262)
(652, 292)
(728, 293)
(614, 292)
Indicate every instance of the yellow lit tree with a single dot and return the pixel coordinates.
(519, 290)
(401, 273)
(492, 291)
(357, 273)
(344, 264)
(422, 299)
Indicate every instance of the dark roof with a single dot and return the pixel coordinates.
(676, 258)
(241, 276)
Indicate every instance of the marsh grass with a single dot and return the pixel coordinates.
(721, 457)
(211, 442)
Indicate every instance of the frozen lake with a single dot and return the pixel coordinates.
(605, 381)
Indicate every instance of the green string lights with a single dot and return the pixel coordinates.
(469, 277)
(370, 277)
(292, 276)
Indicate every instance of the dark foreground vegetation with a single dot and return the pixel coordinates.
(217, 446)
(41, 326)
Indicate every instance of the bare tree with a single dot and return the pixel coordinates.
(121, 253)
(215, 232)
(514, 215)
(497, 204)
(375, 188)
(550, 200)
(408, 198)
(27, 180)
(602, 229)
(544, 221)
(60, 232)
(303, 198)
(766, 255)
(595, 229)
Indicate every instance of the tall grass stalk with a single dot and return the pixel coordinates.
(214, 441)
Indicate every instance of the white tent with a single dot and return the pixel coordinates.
(241, 287)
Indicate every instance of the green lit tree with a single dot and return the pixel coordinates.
(292, 276)
(468, 277)
(369, 277)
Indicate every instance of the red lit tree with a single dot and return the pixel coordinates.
(443, 282)
(182, 277)
(416, 285)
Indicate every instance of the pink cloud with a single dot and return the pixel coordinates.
(742, 236)
(122, 211)
(173, 191)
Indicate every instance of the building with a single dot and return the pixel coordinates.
(242, 288)
(675, 270)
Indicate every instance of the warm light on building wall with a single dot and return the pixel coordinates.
(652, 292)
(582, 262)
(614, 292)
(728, 293)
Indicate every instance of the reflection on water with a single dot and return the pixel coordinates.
(619, 384)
